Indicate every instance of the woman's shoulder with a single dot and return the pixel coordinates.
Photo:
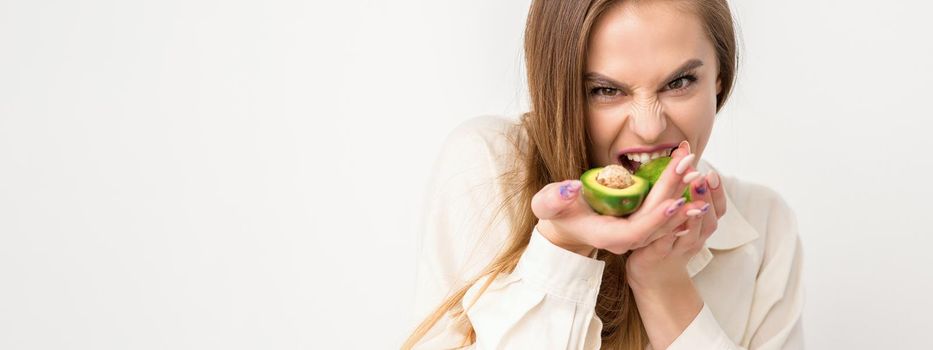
(486, 142)
(496, 133)
(475, 155)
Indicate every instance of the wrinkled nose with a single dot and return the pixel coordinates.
(648, 119)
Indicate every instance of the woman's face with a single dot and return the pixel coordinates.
(651, 82)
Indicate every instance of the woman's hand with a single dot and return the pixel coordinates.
(662, 264)
(666, 297)
(568, 222)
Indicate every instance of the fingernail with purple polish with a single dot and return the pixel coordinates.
(679, 203)
(701, 190)
(569, 189)
(565, 191)
(705, 208)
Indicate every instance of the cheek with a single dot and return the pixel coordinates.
(698, 111)
(693, 111)
(603, 125)
(694, 117)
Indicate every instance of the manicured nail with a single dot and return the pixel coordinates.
(691, 176)
(679, 203)
(575, 185)
(681, 233)
(701, 190)
(705, 207)
(684, 163)
(685, 145)
(713, 179)
(694, 212)
(567, 190)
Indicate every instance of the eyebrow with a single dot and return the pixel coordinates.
(599, 78)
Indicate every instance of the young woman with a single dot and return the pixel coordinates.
(512, 257)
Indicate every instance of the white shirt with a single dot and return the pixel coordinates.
(748, 273)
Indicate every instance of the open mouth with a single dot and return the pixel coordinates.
(632, 161)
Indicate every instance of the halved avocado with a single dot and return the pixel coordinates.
(613, 201)
(652, 171)
(620, 202)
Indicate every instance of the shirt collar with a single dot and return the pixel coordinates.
(732, 230)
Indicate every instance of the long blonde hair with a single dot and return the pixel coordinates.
(556, 37)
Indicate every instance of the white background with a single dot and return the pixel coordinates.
(186, 174)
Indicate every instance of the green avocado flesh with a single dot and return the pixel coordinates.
(613, 201)
(620, 202)
(652, 171)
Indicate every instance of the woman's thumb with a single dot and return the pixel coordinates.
(554, 198)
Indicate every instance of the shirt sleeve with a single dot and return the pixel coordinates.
(775, 321)
(456, 235)
(547, 302)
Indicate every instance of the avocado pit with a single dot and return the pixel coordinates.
(615, 176)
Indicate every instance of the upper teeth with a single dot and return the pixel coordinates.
(646, 157)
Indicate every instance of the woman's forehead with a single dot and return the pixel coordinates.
(646, 38)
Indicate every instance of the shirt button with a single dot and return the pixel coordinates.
(592, 282)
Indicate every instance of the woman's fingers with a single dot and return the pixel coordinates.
(662, 246)
(710, 220)
(706, 215)
(619, 235)
(679, 217)
(714, 182)
(554, 199)
(560, 200)
(560, 205)
(675, 216)
(687, 238)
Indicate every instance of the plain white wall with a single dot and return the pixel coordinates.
(181, 174)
